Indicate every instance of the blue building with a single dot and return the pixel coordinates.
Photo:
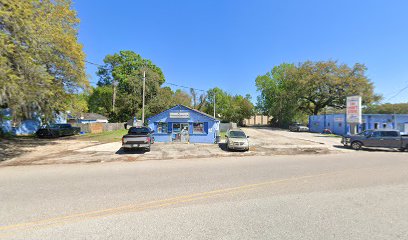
(337, 123)
(184, 124)
(25, 127)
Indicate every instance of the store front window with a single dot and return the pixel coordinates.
(198, 128)
(162, 127)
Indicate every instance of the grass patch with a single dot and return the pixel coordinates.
(330, 135)
(222, 135)
(111, 136)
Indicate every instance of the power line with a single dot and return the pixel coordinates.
(94, 64)
(168, 83)
(176, 85)
(398, 93)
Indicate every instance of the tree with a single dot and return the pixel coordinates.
(181, 97)
(78, 103)
(229, 108)
(125, 70)
(100, 100)
(288, 91)
(327, 84)
(41, 61)
(387, 108)
(280, 94)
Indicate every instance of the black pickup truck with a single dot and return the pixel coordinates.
(57, 130)
(377, 138)
(138, 137)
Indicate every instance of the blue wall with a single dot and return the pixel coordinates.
(337, 122)
(211, 126)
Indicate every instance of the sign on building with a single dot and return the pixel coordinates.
(179, 115)
(353, 110)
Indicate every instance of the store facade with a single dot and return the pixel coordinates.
(337, 123)
(184, 124)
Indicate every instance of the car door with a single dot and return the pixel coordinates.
(374, 140)
(391, 139)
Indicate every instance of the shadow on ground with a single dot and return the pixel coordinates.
(223, 146)
(14, 147)
(121, 151)
(369, 149)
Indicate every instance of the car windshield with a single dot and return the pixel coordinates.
(141, 131)
(237, 134)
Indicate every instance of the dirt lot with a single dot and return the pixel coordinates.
(263, 141)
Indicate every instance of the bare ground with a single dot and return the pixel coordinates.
(263, 141)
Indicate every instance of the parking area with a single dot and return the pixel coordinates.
(263, 142)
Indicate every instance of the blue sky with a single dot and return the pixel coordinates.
(205, 44)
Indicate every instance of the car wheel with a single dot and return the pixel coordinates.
(148, 149)
(356, 145)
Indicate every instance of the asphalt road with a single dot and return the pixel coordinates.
(358, 195)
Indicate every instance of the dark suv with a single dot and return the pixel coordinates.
(376, 138)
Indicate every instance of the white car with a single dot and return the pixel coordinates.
(237, 140)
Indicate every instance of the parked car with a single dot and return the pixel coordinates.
(298, 127)
(376, 138)
(138, 137)
(57, 130)
(237, 140)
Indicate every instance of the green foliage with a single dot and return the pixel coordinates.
(228, 107)
(327, 84)
(290, 93)
(100, 101)
(387, 108)
(41, 61)
(125, 70)
(78, 103)
(280, 94)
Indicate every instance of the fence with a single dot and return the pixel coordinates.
(226, 126)
(99, 127)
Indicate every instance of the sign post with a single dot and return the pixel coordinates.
(353, 112)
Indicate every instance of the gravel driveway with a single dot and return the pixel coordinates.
(263, 142)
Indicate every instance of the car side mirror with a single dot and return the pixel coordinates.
(247, 136)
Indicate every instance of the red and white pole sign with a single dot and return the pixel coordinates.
(354, 109)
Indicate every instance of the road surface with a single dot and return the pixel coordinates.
(358, 195)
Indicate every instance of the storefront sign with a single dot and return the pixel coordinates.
(179, 115)
(354, 109)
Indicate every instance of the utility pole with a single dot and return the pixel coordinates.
(143, 101)
(214, 104)
(114, 96)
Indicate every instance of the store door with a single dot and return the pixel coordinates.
(181, 132)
